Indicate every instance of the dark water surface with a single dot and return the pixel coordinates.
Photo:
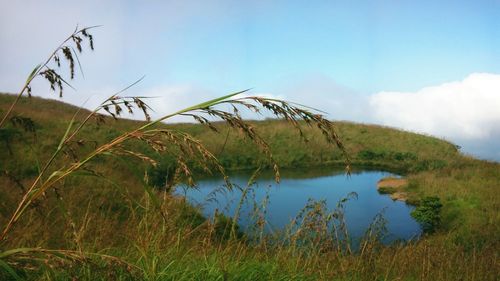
(297, 186)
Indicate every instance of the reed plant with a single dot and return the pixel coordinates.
(184, 148)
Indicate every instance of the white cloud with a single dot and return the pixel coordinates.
(463, 110)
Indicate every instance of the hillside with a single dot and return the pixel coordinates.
(468, 188)
(367, 145)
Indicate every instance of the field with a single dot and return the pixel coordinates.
(111, 220)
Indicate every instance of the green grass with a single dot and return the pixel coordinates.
(116, 217)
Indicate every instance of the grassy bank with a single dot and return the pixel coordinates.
(107, 209)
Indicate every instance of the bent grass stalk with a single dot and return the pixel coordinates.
(188, 147)
(34, 192)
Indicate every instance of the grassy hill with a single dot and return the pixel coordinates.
(108, 207)
(367, 145)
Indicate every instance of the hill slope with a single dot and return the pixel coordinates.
(366, 144)
(468, 188)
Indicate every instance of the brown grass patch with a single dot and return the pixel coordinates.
(392, 182)
(394, 187)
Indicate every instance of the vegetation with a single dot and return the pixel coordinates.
(428, 213)
(94, 200)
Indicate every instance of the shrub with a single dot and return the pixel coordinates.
(370, 155)
(428, 213)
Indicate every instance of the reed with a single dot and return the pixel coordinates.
(181, 145)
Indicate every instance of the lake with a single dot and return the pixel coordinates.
(286, 199)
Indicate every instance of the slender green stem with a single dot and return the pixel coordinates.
(33, 193)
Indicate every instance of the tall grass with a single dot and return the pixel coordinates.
(159, 249)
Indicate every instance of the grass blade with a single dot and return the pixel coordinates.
(10, 270)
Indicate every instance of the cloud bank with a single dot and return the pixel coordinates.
(466, 112)
(468, 109)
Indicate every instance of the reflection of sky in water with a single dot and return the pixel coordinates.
(291, 195)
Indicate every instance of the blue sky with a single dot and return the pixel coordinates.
(368, 47)
(348, 58)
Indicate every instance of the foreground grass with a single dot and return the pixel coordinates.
(181, 249)
(117, 217)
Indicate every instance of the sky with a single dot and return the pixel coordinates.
(431, 67)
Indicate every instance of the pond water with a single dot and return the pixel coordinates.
(286, 199)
